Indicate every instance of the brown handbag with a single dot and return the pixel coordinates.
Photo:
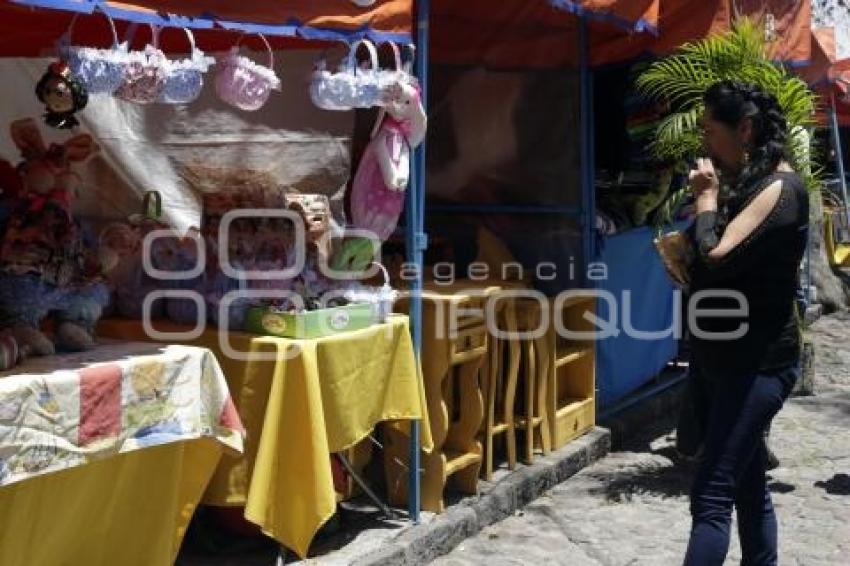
(677, 254)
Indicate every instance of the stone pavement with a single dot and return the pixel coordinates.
(632, 506)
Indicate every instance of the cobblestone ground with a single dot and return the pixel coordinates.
(632, 507)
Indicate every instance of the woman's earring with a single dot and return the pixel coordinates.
(746, 159)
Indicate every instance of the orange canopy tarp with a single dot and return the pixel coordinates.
(512, 32)
(792, 25)
(828, 77)
(30, 28)
(822, 57)
(836, 88)
(508, 33)
(682, 21)
(383, 15)
(526, 34)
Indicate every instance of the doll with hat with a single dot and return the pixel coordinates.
(63, 95)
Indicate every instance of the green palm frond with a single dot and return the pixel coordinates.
(678, 80)
(681, 79)
(677, 135)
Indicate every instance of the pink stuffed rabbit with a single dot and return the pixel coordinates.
(46, 171)
(377, 193)
(44, 266)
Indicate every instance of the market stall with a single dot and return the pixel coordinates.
(187, 139)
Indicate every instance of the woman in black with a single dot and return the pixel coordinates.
(749, 239)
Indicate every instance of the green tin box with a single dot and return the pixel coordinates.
(309, 324)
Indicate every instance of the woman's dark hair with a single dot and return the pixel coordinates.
(731, 102)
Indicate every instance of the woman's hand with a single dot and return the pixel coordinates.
(705, 185)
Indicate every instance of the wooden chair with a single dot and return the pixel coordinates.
(499, 376)
(451, 363)
(500, 368)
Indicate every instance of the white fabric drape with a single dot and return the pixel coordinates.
(182, 150)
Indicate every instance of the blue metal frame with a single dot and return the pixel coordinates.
(417, 242)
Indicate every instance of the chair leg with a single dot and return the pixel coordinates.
(530, 381)
(434, 481)
(543, 369)
(511, 378)
(490, 373)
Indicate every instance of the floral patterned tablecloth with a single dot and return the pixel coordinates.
(63, 411)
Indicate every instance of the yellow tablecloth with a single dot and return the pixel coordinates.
(132, 509)
(326, 398)
(104, 454)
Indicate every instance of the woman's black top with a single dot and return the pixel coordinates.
(764, 270)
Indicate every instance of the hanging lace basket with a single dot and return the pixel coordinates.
(101, 70)
(243, 83)
(184, 78)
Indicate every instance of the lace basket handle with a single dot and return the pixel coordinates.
(265, 42)
(67, 39)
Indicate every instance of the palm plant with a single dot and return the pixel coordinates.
(681, 79)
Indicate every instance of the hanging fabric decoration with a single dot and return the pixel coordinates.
(63, 95)
(243, 83)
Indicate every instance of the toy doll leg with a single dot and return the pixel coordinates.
(76, 320)
(25, 301)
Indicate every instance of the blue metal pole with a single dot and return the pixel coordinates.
(588, 162)
(587, 150)
(416, 244)
(839, 156)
